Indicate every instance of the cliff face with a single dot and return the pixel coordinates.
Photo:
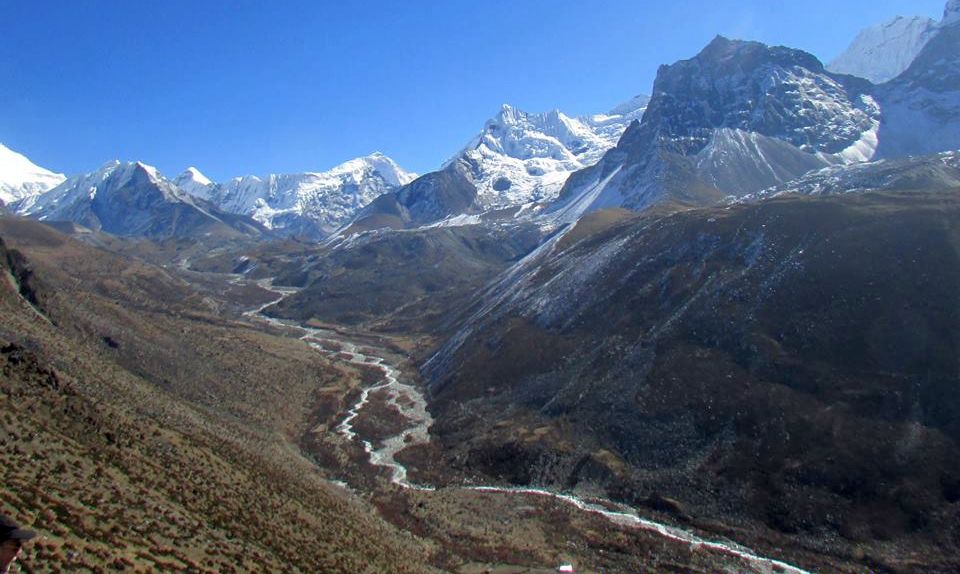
(736, 118)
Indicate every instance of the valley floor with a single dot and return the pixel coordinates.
(380, 448)
(154, 419)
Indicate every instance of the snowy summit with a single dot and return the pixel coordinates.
(20, 177)
(881, 53)
(311, 203)
(194, 183)
(522, 157)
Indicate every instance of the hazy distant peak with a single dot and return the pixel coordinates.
(631, 106)
(881, 53)
(951, 13)
(196, 175)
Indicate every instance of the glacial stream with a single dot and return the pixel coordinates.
(412, 405)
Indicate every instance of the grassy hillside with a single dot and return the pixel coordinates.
(143, 433)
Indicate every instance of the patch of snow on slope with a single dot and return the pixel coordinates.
(461, 220)
(587, 201)
(920, 122)
(863, 149)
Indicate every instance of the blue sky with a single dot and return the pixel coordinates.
(238, 87)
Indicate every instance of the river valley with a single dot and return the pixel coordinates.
(399, 394)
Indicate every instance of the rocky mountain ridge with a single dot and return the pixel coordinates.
(519, 161)
(312, 204)
(738, 117)
(133, 199)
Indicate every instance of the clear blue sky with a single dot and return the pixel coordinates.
(237, 86)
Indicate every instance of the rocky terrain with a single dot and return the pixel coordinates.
(738, 117)
(150, 430)
(772, 362)
(713, 330)
(518, 162)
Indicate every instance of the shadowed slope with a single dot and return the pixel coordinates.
(792, 363)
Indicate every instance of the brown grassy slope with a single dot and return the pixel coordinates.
(142, 433)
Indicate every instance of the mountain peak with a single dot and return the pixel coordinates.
(389, 170)
(723, 53)
(11, 161)
(721, 48)
(522, 157)
(194, 183)
(148, 170)
(951, 13)
(194, 175)
(508, 115)
(719, 41)
(881, 53)
(309, 204)
(20, 177)
(357, 170)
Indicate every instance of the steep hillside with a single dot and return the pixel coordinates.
(789, 365)
(428, 199)
(141, 432)
(940, 172)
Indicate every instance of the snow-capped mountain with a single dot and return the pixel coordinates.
(921, 106)
(881, 53)
(195, 183)
(20, 177)
(132, 199)
(521, 157)
(951, 13)
(312, 204)
(517, 160)
(737, 118)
